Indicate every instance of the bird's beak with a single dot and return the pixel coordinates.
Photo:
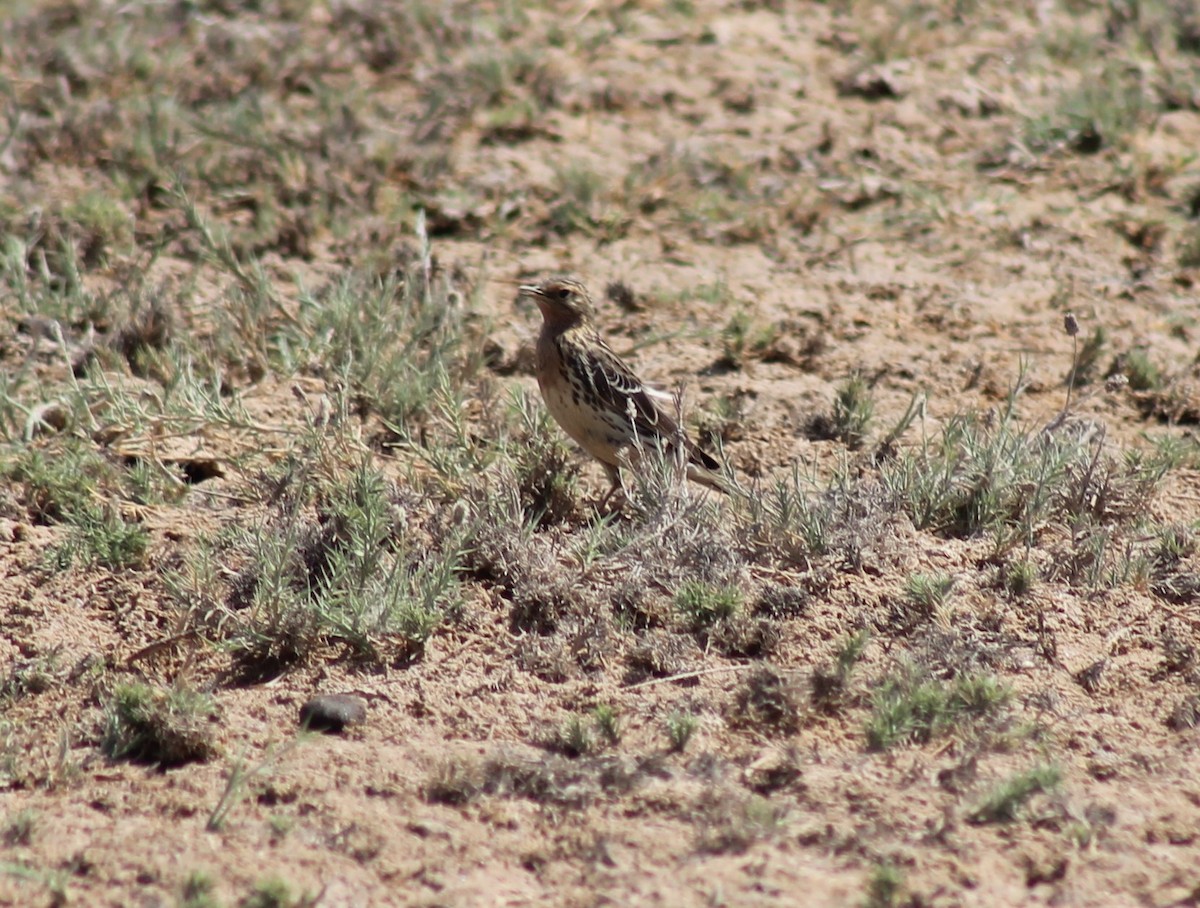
(538, 295)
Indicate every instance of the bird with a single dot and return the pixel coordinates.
(596, 398)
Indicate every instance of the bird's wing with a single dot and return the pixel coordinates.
(619, 390)
(618, 387)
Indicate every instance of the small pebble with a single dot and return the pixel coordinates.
(332, 712)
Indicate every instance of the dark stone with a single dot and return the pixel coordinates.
(332, 712)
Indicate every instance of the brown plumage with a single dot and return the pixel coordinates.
(593, 394)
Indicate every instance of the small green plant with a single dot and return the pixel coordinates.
(608, 723)
(1004, 803)
(102, 536)
(830, 683)
(574, 738)
(545, 465)
(57, 482)
(1019, 578)
(351, 577)
(1141, 371)
(273, 892)
(928, 593)
(885, 886)
(280, 825)
(453, 781)
(1101, 112)
(1188, 250)
(681, 726)
(791, 521)
(1172, 544)
(241, 779)
(1086, 365)
(990, 476)
(906, 708)
(98, 224)
(580, 207)
(742, 338)
(168, 728)
(398, 345)
(702, 604)
(71, 483)
(850, 416)
(34, 676)
(853, 409)
(715, 293)
(55, 881)
(19, 827)
(197, 891)
(766, 702)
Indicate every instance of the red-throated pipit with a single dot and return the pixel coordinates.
(596, 397)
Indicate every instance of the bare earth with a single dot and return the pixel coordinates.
(871, 188)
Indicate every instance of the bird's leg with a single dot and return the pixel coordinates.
(614, 478)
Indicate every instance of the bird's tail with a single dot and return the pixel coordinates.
(713, 478)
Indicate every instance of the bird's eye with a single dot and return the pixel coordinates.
(563, 294)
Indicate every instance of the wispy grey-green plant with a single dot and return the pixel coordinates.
(793, 518)
(166, 727)
(831, 682)
(907, 707)
(681, 726)
(885, 886)
(702, 604)
(394, 343)
(990, 476)
(196, 891)
(928, 593)
(1004, 802)
(852, 410)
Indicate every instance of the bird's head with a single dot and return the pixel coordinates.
(564, 302)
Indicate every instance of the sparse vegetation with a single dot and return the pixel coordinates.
(991, 477)
(1004, 803)
(575, 738)
(852, 411)
(850, 416)
(1086, 363)
(681, 726)
(742, 338)
(167, 728)
(273, 892)
(884, 887)
(701, 605)
(927, 593)
(731, 825)
(197, 891)
(1019, 578)
(1141, 371)
(452, 781)
(335, 564)
(579, 735)
(19, 827)
(608, 724)
(766, 702)
(908, 708)
(72, 485)
(1189, 248)
(830, 685)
